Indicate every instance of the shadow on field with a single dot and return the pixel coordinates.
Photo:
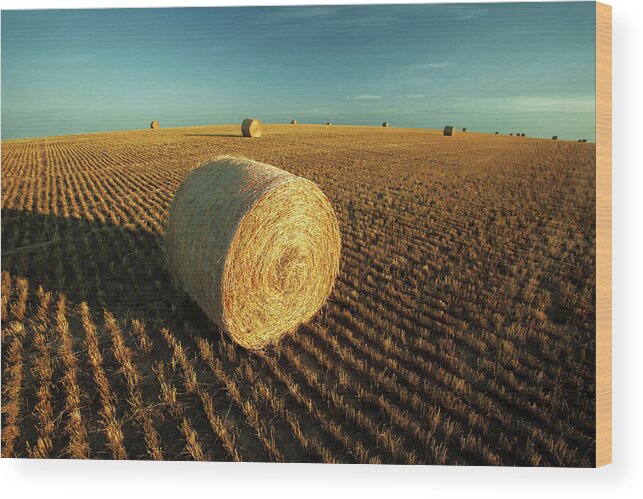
(121, 269)
(214, 135)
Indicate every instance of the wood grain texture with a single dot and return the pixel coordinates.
(603, 234)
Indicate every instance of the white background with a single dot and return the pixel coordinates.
(51, 479)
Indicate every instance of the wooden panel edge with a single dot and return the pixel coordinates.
(603, 234)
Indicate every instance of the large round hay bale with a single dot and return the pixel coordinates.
(555, 137)
(293, 122)
(464, 129)
(385, 124)
(154, 125)
(255, 246)
(251, 128)
(329, 123)
(449, 130)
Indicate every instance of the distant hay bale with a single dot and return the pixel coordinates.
(464, 129)
(385, 124)
(496, 133)
(449, 131)
(555, 137)
(511, 134)
(579, 140)
(522, 134)
(329, 123)
(251, 128)
(584, 140)
(255, 246)
(293, 122)
(154, 125)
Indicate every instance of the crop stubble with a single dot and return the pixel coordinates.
(461, 329)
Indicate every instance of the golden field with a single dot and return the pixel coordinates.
(461, 329)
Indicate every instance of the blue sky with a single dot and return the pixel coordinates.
(508, 67)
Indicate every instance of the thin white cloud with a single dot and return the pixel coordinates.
(299, 12)
(432, 65)
(466, 12)
(367, 97)
(416, 96)
(537, 104)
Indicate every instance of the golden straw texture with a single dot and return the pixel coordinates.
(255, 246)
(251, 128)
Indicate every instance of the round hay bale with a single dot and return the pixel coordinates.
(154, 125)
(329, 123)
(251, 128)
(293, 122)
(584, 140)
(511, 134)
(522, 134)
(496, 133)
(449, 131)
(464, 129)
(385, 124)
(555, 137)
(255, 246)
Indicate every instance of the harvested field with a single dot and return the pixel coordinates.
(461, 329)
